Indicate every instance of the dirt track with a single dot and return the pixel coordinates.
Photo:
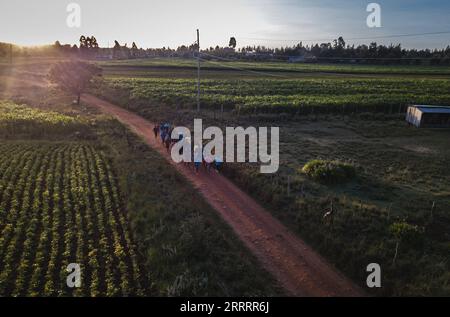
(300, 270)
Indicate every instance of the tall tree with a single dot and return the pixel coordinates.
(94, 43)
(232, 42)
(73, 77)
(134, 50)
(88, 42)
(83, 41)
(116, 49)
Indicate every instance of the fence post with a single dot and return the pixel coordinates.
(289, 185)
(389, 212)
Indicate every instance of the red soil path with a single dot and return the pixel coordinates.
(299, 269)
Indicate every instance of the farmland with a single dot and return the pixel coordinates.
(60, 205)
(16, 120)
(401, 173)
(263, 152)
(295, 96)
(72, 191)
(280, 68)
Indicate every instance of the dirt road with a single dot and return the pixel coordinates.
(300, 270)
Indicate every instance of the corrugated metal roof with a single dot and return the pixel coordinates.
(432, 109)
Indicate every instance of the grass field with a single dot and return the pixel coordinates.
(401, 172)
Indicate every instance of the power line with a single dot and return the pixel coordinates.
(375, 58)
(261, 73)
(219, 57)
(323, 58)
(348, 39)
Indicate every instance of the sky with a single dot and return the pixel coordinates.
(273, 23)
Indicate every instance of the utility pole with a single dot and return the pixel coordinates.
(198, 70)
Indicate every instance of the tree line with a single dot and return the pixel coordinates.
(337, 51)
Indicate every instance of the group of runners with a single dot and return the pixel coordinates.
(209, 162)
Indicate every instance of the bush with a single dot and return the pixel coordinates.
(330, 172)
(403, 231)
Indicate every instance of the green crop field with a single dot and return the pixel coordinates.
(16, 120)
(60, 205)
(302, 96)
(276, 67)
(255, 87)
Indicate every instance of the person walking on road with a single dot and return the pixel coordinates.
(167, 142)
(156, 130)
(198, 157)
(209, 161)
(218, 161)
